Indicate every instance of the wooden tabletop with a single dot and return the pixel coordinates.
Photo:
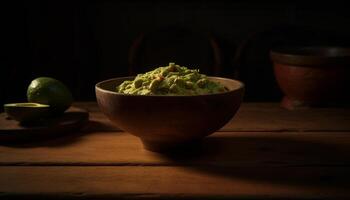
(265, 152)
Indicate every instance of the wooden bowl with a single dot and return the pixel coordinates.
(168, 122)
(312, 76)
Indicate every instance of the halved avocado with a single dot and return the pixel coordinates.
(24, 112)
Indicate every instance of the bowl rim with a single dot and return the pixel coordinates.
(97, 87)
(295, 55)
(299, 51)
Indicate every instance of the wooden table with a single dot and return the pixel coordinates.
(266, 152)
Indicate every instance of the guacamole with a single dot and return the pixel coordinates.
(170, 80)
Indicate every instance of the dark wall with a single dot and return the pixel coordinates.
(82, 42)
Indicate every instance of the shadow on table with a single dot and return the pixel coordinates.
(277, 160)
(54, 138)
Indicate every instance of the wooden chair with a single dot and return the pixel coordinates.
(185, 47)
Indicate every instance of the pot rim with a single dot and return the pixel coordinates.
(312, 56)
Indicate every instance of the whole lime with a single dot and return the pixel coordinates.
(46, 90)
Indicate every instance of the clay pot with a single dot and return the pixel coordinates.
(166, 123)
(312, 76)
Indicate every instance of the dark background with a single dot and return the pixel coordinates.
(83, 42)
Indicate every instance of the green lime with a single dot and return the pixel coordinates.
(49, 91)
(26, 111)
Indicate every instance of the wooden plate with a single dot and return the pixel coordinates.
(73, 119)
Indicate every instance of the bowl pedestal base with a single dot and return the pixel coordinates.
(170, 146)
(291, 104)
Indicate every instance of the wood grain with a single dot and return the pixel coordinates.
(266, 152)
(257, 117)
(169, 182)
(221, 149)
